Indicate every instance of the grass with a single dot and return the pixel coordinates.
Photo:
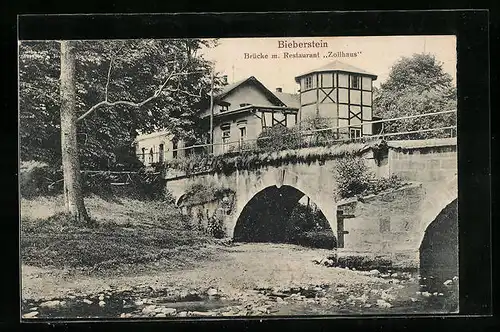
(127, 232)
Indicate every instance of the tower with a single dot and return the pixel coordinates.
(338, 95)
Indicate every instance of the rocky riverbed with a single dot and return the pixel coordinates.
(248, 280)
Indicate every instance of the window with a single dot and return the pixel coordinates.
(242, 126)
(143, 156)
(354, 132)
(151, 156)
(226, 136)
(161, 153)
(267, 118)
(174, 148)
(291, 120)
(355, 82)
(244, 104)
(224, 106)
(308, 83)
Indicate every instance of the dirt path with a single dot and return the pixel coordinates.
(237, 268)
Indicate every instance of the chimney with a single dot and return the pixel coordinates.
(224, 79)
(279, 90)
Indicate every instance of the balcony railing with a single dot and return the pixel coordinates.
(305, 138)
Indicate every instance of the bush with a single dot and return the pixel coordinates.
(200, 217)
(97, 183)
(354, 179)
(319, 138)
(352, 176)
(191, 163)
(316, 239)
(140, 185)
(39, 179)
(305, 219)
(278, 138)
(215, 227)
(309, 227)
(383, 184)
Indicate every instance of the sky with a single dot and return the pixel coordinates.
(375, 54)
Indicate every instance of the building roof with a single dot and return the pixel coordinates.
(249, 108)
(289, 99)
(230, 87)
(337, 66)
(250, 80)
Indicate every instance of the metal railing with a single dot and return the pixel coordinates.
(304, 138)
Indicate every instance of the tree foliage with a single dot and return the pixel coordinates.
(112, 71)
(417, 85)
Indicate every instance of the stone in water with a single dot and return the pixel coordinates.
(383, 304)
(30, 314)
(50, 304)
(169, 311)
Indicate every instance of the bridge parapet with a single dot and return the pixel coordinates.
(423, 160)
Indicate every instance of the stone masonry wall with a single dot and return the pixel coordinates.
(423, 165)
(387, 224)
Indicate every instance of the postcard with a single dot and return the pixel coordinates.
(237, 177)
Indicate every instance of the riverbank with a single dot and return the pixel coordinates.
(244, 280)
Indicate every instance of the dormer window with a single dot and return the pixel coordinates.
(224, 106)
(244, 104)
(355, 82)
(308, 84)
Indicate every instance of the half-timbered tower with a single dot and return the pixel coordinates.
(339, 93)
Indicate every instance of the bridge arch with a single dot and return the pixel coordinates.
(438, 251)
(273, 202)
(437, 197)
(322, 196)
(438, 242)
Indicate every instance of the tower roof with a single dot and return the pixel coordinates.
(337, 66)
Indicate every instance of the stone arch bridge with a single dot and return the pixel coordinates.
(394, 222)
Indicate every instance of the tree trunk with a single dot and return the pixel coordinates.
(73, 195)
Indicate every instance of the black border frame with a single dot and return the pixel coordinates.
(471, 28)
